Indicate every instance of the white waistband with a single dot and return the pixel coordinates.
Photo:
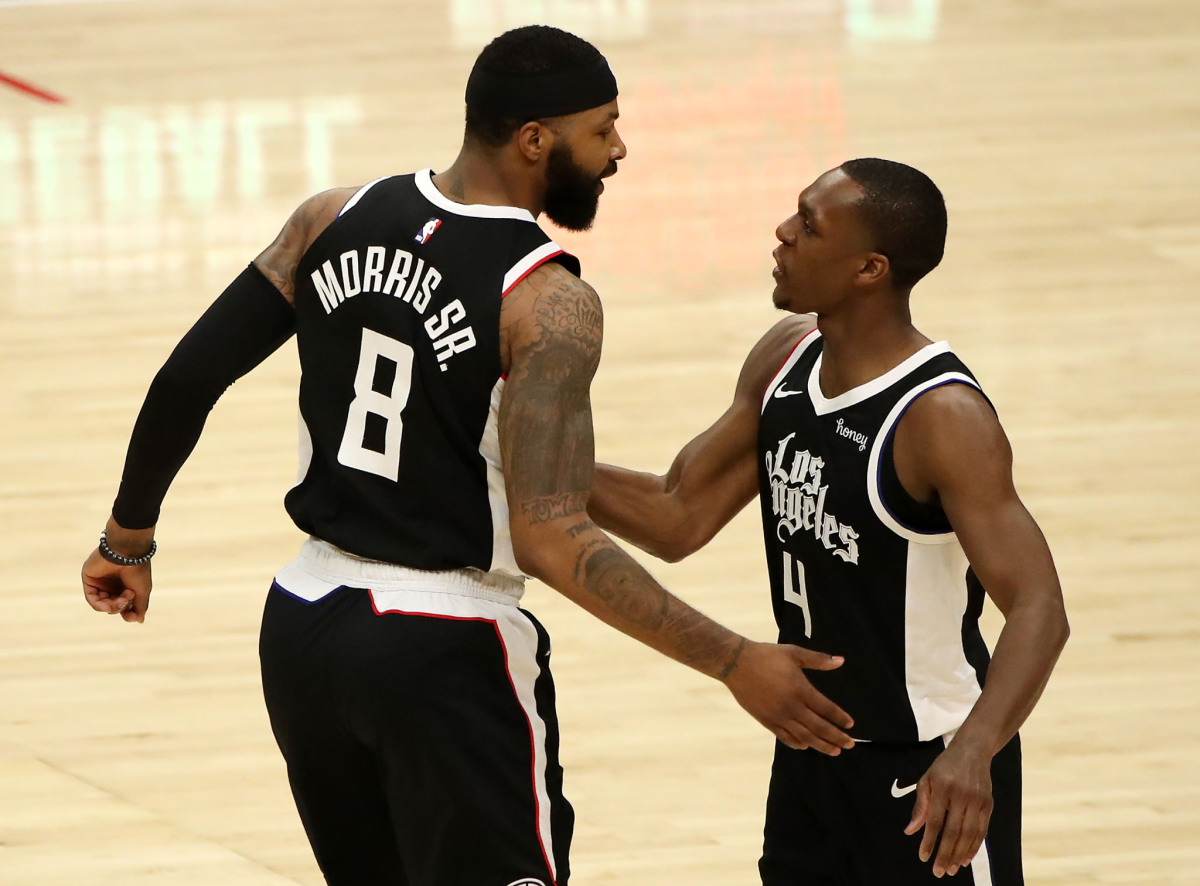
(321, 568)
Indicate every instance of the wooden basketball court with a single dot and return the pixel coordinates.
(1065, 136)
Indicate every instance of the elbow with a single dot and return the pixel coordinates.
(1055, 627)
(180, 382)
(672, 550)
(1064, 628)
(689, 536)
(180, 393)
(531, 556)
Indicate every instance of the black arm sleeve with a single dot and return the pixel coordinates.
(242, 328)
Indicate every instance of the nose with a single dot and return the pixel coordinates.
(618, 151)
(782, 235)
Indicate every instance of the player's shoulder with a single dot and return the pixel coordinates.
(551, 288)
(952, 423)
(770, 353)
(551, 305)
(278, 261)
(320, 210)
(955, 404)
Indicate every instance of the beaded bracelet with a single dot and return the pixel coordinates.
(113, 557)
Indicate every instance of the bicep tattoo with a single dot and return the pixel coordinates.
(546, 420)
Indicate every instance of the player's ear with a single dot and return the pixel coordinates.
(534, 140)
(874, 267)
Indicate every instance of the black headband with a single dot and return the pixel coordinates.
(536, 96)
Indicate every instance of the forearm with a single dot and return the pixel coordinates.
(1025, 654)
(580, 561)
(637, 507)
(246, 324)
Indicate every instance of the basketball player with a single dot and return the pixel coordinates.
(447, 347)
(888, 507)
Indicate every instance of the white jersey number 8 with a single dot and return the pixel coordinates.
(368, 401)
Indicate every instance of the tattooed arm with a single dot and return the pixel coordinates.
(278, 261)
(552, 326)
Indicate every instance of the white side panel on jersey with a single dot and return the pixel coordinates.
(503, 558)
(358, 195)
(519, 639)
(526, 266)
(881, 438)
(942, 685)
(429, 191)
(306, 449)
(796, 354)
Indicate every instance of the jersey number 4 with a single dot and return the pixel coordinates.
(794, 590)
(386, 404)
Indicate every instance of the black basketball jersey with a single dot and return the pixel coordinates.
(398, 328)
(857, 567)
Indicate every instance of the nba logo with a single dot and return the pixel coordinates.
(427, 230)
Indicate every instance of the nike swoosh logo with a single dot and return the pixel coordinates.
(780, 393)
(898, 791)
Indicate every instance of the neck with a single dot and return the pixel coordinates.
(490, 178)
(869, 337)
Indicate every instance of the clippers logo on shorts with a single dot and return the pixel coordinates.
(529, 881)
(798, 500)
(427, 230)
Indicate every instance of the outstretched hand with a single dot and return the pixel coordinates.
(954, 799)
(117, 590)
(769, 682)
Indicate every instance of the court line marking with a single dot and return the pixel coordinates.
(4, 3)
(30, 89)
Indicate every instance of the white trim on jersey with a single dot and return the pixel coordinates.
(429, 191)
(981, 864)
(358, 195)
(518, 637)
(299, 582)
(306, 448)
(824, 406)
(504, 561)
(942, 686)
(877, 447)
(528, 265)
(797, 352)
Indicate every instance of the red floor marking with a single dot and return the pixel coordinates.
(30, 89)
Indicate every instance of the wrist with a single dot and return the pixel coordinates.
(730, 668)
(131, 543)
(976, 741)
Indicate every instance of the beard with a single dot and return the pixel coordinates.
(572, 193)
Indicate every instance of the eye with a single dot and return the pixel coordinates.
(807, 227)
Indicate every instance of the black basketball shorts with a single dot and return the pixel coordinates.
(839, 821)
(420, 736)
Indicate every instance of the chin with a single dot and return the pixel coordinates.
(787, 301)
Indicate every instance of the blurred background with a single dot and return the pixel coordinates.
(148, 150)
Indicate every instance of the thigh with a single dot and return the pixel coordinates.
(334, 777)
(469, 743)
(801, 845)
